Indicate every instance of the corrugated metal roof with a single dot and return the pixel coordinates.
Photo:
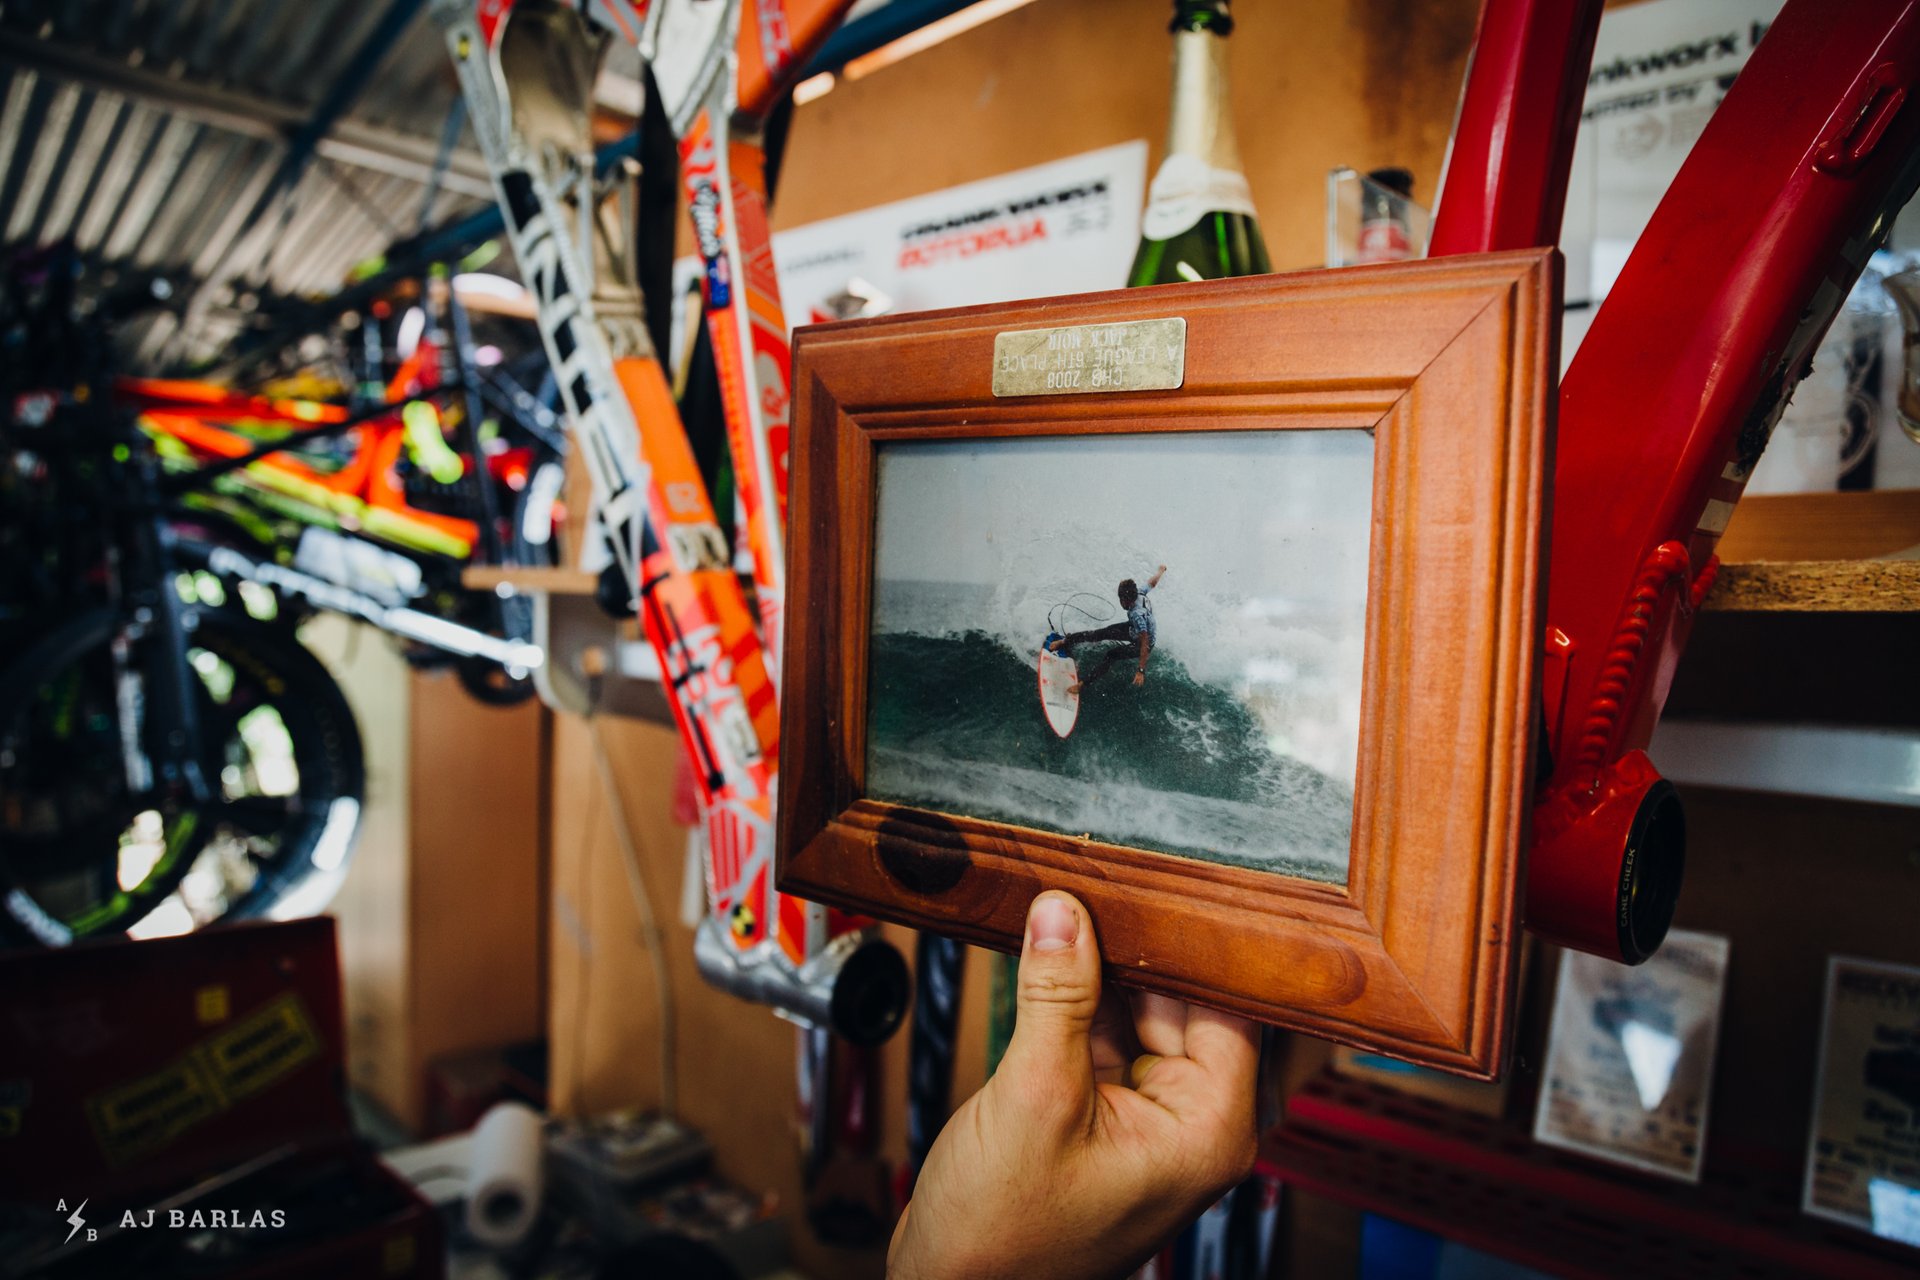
(147, 130)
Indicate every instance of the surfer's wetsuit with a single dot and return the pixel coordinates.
(1137, 624)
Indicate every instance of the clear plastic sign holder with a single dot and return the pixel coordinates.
(1370, 222)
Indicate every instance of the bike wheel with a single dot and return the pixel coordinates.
(83, 854)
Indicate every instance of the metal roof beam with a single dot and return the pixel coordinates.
(253, 242)
(352, 142)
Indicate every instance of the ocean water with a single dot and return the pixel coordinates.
(1179, 765)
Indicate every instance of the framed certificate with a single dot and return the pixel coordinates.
(1630, 1056)
(1863, 1156)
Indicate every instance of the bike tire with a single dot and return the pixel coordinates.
(295, 874)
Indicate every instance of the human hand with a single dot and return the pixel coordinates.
(1113, 1121)
(1139, 678)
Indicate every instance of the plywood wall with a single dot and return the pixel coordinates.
(442, 946)
(372, 905)
(1316, 84)
(477, 871)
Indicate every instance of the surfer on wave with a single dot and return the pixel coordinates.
(1135, 631)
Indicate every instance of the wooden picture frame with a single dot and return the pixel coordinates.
(1451, 365)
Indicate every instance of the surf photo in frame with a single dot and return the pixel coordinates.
(1191, 606)
(1214, 605)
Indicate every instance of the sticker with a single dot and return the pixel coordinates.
(147, 1114)
(398, 1255)
(776, 37)
(212, 1004)
(251, 1055)
(143, 1115)
(705, 209)
(1714, 517)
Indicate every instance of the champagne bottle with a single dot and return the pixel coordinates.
(1199, 223)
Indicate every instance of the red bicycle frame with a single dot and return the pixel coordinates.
(1676, 387)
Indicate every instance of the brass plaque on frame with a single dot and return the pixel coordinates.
(1132, 355)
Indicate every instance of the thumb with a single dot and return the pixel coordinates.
(1058, 996)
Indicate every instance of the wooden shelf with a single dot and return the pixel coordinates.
(1821, 553)
(1823, 526)
(1817, 586)
(528, 579)
(1485, 1183)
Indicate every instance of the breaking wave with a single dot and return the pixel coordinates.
(1176, 765)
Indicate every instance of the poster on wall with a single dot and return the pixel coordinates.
(1863, 1157)
(1659, 70)
(1630, 1059)
(1067, 226)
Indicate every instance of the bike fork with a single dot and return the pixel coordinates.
(156, 700)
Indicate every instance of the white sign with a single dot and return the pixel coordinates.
(1659, 71)
(1068, 226)
(1863, 1157)
(1630, 1056)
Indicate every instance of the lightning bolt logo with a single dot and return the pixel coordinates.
(77, 1221)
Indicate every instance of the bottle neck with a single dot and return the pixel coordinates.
(1202, 121)
(1202, 15)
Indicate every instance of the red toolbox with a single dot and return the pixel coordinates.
(142, 1083)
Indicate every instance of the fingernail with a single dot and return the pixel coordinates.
(1052, 923)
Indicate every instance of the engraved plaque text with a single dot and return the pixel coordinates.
(1138, 355)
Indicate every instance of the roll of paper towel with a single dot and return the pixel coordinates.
(503, 1179)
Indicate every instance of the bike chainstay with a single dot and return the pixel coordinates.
(648, 490)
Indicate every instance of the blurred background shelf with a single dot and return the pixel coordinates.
(1817, 586)
(530, 578)
(1821, 553)
(1870, 525)
(1484, 1183)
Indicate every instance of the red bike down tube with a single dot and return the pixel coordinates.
(1675, 389)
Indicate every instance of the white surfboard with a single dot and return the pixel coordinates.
(1057, 674)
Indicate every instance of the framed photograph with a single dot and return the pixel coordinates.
(1863, 1154)
(1216, 606)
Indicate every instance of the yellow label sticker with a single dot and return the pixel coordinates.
(398, 1255)
(146, 1114)
(255, 1052)
(212, 1004)
(143, 1115)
